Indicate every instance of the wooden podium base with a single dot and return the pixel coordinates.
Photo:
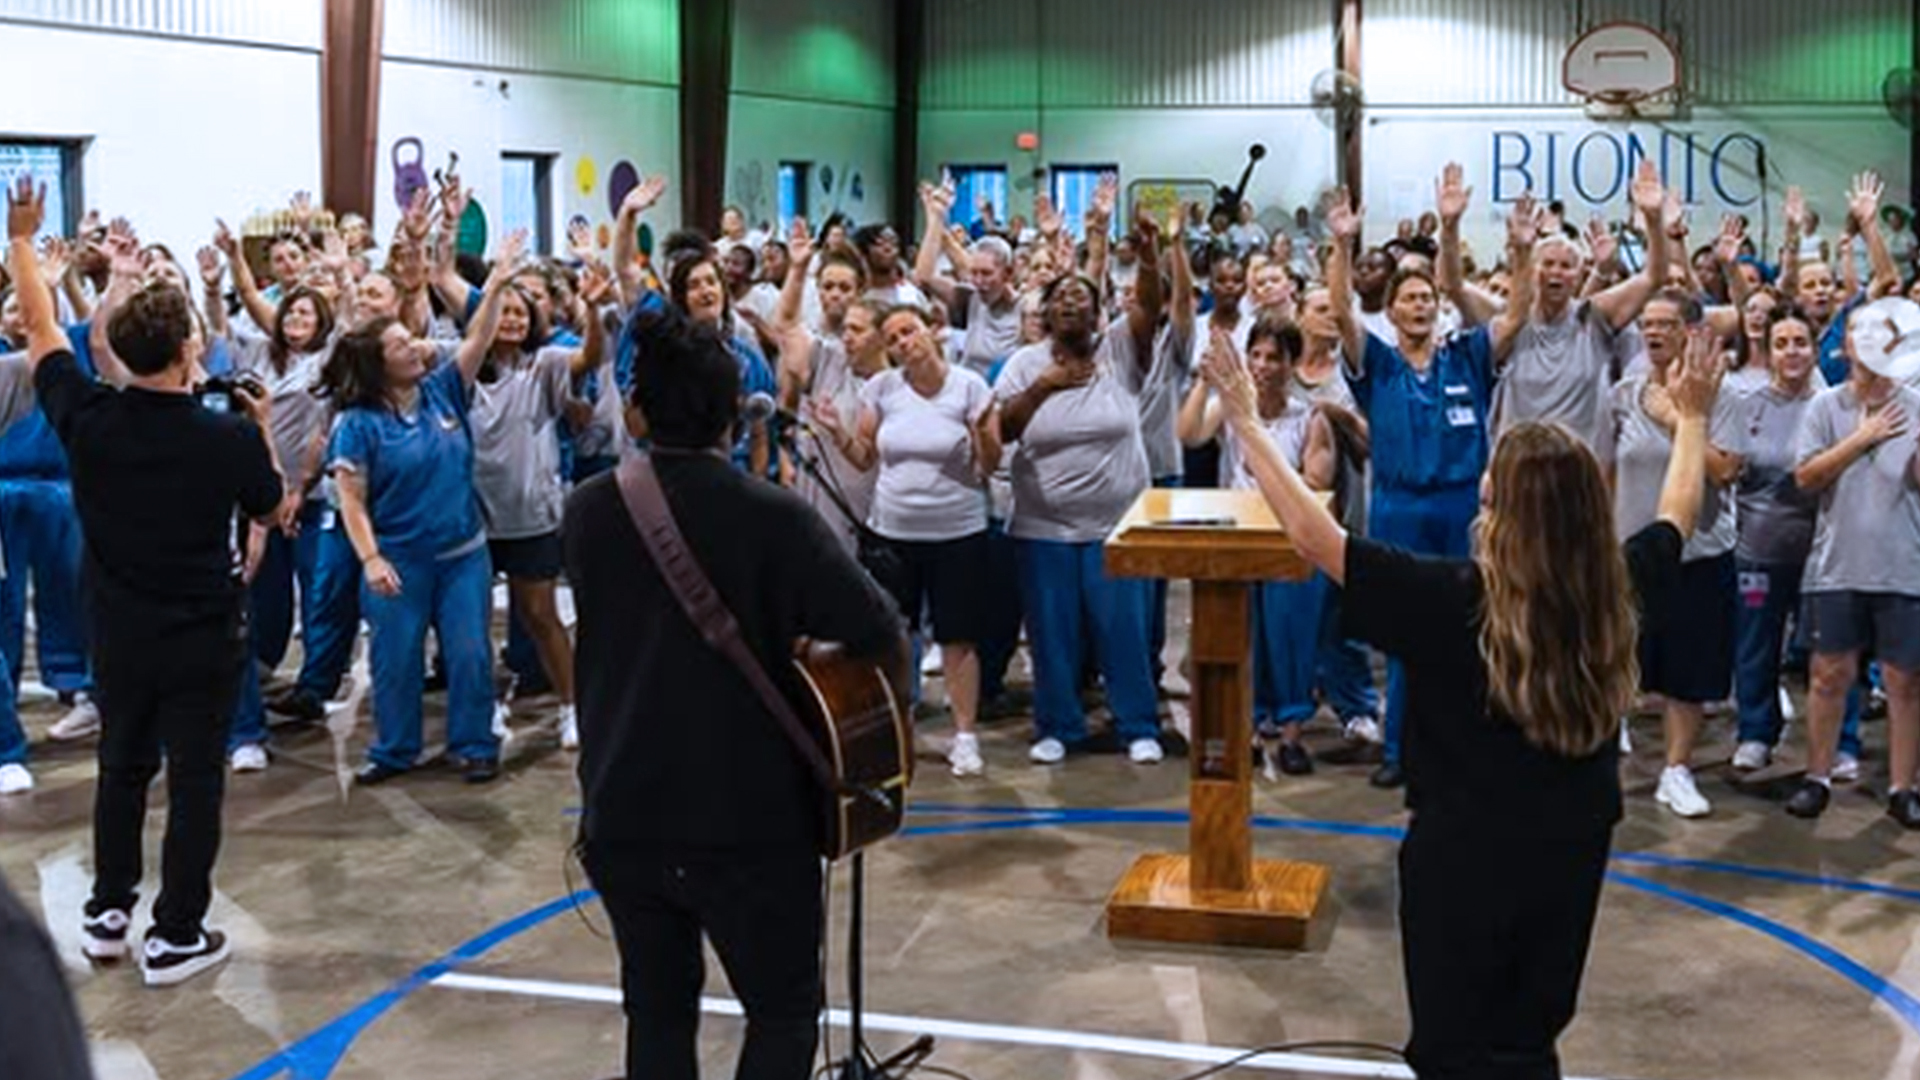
(1154, 902)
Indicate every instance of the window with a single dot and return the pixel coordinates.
(55, 163)
(972, 185)
(526, 198)
(792, 194)
(1072, 187)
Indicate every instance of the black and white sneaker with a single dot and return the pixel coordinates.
(105, 935)
(164, 963)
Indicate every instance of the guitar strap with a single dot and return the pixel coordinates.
(653, 519)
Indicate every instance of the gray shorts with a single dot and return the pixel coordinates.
(1887, 624)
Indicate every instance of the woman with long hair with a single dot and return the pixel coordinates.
(932, 431)
(696, 284)
(402, 458)
(1751, 368)
(1520, 660)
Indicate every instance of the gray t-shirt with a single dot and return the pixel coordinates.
(1081, 461)
(516, 449)
(1289, 433)
(1641, 451)
(1160, 394)
(1867, 537)
(1559, 372)
(298, 416)
(833, 384)
(1776, 517)
(929, 488)
(989, 334)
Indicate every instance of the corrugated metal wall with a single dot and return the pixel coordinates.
(815, 50)
(625, 40)
(287, 23)
(1124, 53)
(1754, 52)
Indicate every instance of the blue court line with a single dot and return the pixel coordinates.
(315, 1056)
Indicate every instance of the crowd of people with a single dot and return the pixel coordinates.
(972, 414)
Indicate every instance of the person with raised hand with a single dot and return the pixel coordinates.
(1811, 282)
(402, 457)
(1072, 403)
(158, 481)
(1521, 661)
(1687, 642)
(1858, 452)
(1426, 401)
(984, 307)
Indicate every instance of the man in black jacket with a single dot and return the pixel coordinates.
(700, 815)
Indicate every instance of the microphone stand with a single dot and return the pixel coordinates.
(860, 1062)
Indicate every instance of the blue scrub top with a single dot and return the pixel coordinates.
(1429, 431)
(1833, 343)
(29, 450)
(756, 375)
(418, 469)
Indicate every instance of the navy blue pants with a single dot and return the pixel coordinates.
(331, 617)
(455, 597)
(1070, 600)
(287, 566)
(40, 535)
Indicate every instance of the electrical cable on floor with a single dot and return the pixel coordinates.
(1294, 1048)
(568, 857)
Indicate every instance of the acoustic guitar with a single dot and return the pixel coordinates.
(863, 731)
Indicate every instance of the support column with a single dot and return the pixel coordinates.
(350, 104)
(909, 55)
(1348, 126)
(706, 83)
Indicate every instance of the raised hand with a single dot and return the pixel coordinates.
(222, 238)
(1226, 371)
(1451, 195)
(937, 200)
(417, 222)
(333, 253)
(1106, 194)
(1726, 246)
(211, 268)
(1601, 242)
(1676, 216)
(302, 209)
(1649, 196)
(1863, 198)
(1523, 224)
(122, 246)
(596, 281)
(453, 201)
(1343, 219)
(1694, 388)
(26, 209)
(799, 242)
(513, 248)
(1045, 217)
(1794, 210)
(56, 258)
(644, 195)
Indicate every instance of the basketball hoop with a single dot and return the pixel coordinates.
(1620, 68)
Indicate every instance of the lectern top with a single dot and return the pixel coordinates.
(1203, 535)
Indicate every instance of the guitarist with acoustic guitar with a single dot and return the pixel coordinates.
(702, 812)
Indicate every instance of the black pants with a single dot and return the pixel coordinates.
(1494, 932)
(761, 909)
(173, 698)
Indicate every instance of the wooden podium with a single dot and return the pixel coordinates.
(1217, 894)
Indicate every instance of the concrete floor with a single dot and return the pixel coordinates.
(342, 911)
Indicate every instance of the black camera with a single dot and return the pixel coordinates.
(222, 393)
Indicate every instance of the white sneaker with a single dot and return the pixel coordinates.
(1145, 752)
(1679, 794)
(15, 780)
(104, 936)
(1846, 769)
(965, 755)
(1626, 738)
(163, 963)
(1047, 752)
(81, 722)
(249, 758)
(930, 665)
(501, 713)
(1363, 729)
(569, 728)
(1786, 705)
(1752, 754)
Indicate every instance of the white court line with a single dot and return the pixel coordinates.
(970, 1032)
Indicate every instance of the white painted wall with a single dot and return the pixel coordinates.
(592, 125)
(180, 131)
(1148, 144)
(849, 146)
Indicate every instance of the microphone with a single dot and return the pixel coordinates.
(758, 408)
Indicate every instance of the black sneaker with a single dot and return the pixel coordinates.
(1904, 807)
(1811, 800)
(1388, 775)
(481, 770)
(301, 704)
(1294, 759)
(164, 963)
(375, 773)
(105, 935)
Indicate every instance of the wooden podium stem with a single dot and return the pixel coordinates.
(1220, 838)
